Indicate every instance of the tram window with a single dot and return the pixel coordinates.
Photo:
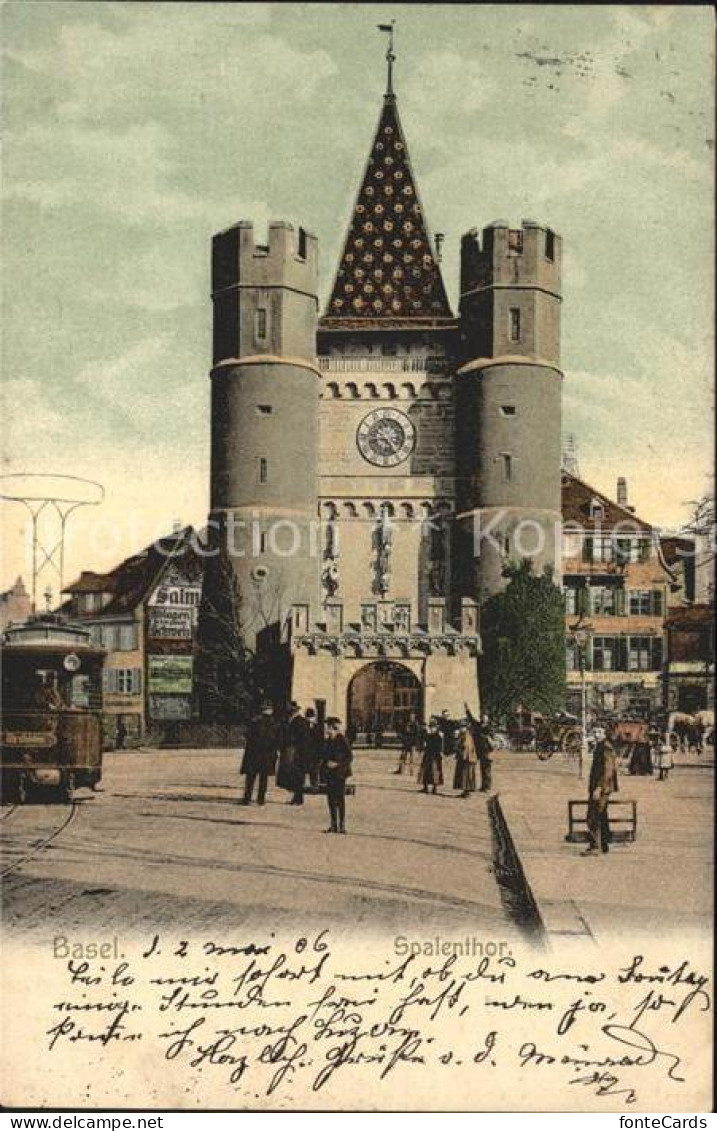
(46, 695)
(80, 691)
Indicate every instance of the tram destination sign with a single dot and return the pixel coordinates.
(27, 738)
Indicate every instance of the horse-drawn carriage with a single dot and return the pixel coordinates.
(547, 735)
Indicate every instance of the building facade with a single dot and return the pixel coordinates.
(374, 467)
(144, 614)
(615, 583)
(15, 605)
(689, 684)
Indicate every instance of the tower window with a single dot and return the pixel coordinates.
(507, 466)
(507, 410)
(302, 243)
(262, 542)
(550, 244)
(515, 241)
(514, 324)
(263, 470)
(260, 323)
(264, 410)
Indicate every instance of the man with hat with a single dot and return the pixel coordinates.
(260, 753)
(336, 763)
(314, 746)
(603, 782)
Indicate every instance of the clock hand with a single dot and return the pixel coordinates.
(389, 437)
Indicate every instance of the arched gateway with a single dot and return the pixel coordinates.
(383, 696)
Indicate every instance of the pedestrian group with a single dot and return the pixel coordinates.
(299, 748)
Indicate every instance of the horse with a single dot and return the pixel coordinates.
(692, 732)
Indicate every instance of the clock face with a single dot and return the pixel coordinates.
(386, 437)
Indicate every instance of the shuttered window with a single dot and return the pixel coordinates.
(645, 602)
(123, 681)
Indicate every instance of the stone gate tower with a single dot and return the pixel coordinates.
(264, 417)
(508, 400)
(360, 451)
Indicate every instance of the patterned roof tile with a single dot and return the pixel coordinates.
(388, 269)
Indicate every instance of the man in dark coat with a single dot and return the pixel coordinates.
(294, 755)
(262, 747)
(314, 746)
(448, 728)
(431, 771)
(603, 782)
(336, 764)
(483, 741)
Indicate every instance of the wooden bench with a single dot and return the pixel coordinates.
(622, 816)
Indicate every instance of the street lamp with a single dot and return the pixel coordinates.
(581, 633)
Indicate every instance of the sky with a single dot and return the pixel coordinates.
(134, 131)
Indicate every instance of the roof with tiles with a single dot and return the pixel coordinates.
(579, 509)
(388, 275)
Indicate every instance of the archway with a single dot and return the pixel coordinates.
(382, 697)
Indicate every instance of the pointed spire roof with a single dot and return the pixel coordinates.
(388, 274)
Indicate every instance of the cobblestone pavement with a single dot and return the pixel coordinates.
(661, 884)
(165, 843)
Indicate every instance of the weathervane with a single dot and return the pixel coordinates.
(390, 56)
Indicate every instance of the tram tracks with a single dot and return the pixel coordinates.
(30, 852)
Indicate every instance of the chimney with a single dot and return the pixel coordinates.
(439, 238)
(622, 495)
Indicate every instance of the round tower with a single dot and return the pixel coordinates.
(508, 402)
(264, 419)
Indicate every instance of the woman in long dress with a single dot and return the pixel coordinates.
(464, 778)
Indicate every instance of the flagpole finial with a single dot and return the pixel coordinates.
(390, 55)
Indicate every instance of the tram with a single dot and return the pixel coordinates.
(51, 721)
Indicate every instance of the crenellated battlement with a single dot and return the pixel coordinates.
(265, 296)
(289, 258)
(528, 256)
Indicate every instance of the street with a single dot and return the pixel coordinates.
(165, 843)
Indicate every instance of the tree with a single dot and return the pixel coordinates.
(523, 634)
(224, 668)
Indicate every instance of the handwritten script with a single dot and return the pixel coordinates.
(253, 1019)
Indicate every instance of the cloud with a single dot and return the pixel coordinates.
(131, 108)
(440, 77)
(32, 421)
(624, 424)
(145, 397)
(134, 131)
